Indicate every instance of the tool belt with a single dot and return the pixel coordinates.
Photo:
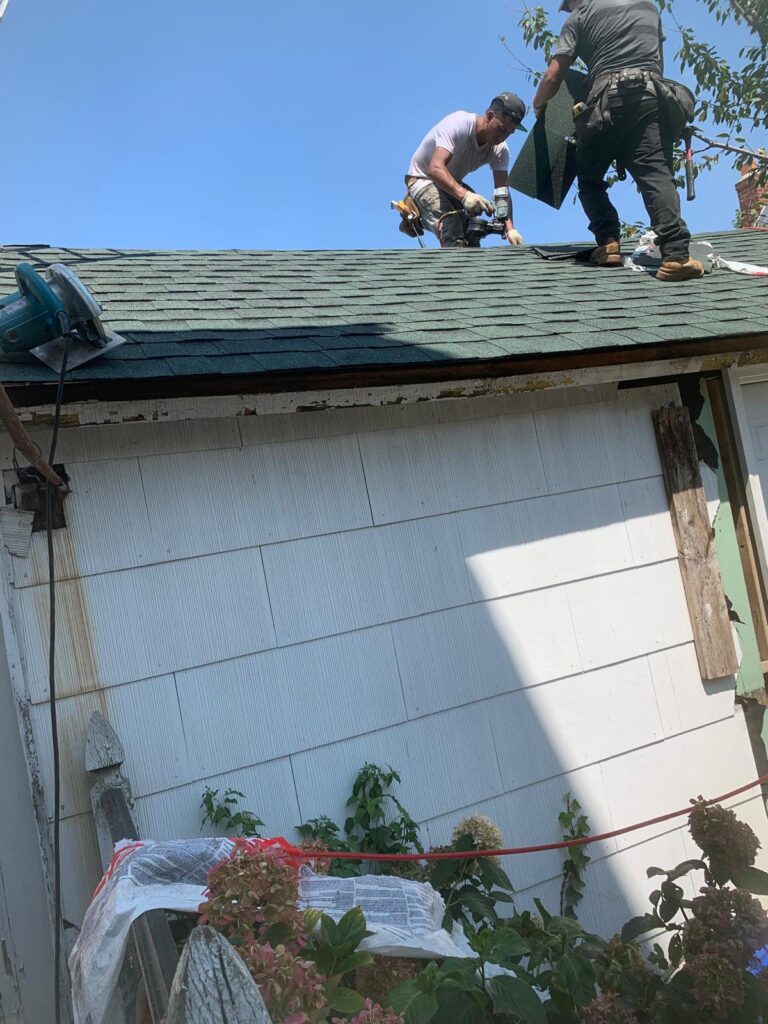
(611, 91)
(410, 217)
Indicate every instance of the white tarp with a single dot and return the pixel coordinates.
(405, 917)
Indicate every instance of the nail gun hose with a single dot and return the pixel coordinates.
(24, 442)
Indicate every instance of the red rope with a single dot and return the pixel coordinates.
(514, 850)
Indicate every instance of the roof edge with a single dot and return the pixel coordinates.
(212, 386)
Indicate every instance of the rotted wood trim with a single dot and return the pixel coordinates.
(744, 529)
(713, 638)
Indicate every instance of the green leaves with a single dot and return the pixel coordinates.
(638, 926)
(221, 814)
(752, 879)
(578, 975)
(417, 1007)
(333, 948)
(516, 998)
(346, 1000)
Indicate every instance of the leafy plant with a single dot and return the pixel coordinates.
(371, 1013)
(221, 813)
(371, 828)
(472, 887)
(332, 950)
(323, 834)
(378, 822)
(575, 825)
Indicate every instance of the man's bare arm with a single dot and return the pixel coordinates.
(442, 177)
(550, 83)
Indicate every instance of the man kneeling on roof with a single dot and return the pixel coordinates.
(456, 146)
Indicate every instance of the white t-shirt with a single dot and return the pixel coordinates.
(456, 133)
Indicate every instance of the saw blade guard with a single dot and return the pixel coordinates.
(83, 310)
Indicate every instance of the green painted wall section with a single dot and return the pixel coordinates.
(750, 677)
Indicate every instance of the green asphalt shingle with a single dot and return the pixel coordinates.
(238, 312)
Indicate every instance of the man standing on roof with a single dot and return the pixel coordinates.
(456, 146)
(632, 115)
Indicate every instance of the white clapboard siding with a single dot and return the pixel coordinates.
(527, 545)
(125, 440)
(345, 581)
(554, 728)
(684, 701)
(617, 887)
(145, 715)
(587, 445)
(422, 472)
(499, 646)
(465, 654)
(528, 817)
(446, 761)
(629, 613)
(145, 622)
(292, 699)
(268, 792)
(217, 501)
(708, 761)
(649, 525)
(107, 526)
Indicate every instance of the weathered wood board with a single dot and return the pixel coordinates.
(713, 638)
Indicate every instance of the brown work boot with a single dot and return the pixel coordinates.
(680, 270)
(608, 255)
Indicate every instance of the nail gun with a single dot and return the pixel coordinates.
(479, 227)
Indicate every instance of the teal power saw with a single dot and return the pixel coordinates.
(46, 314)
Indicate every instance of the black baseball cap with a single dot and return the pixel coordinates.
(511, 106)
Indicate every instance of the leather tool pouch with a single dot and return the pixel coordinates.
(595, 117)
(677, 102)
(410, 222)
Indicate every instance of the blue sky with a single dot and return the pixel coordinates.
(246, 124)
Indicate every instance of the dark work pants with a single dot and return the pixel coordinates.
(638, 141)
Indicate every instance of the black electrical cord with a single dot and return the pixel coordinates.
(57, 912)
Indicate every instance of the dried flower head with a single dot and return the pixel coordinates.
(728, 923)
(385, 973)
(729, 843)
(252, 899)
(607, 1010)
(717, 986)
(371, 1013)
(620, 962)
(484, 833)
(292, 988)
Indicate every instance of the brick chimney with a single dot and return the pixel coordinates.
(752, 198)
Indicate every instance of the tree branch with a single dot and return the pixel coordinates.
(729, 148)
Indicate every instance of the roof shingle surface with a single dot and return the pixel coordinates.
(233, 312)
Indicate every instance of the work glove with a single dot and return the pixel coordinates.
(514, 237)
(475, 204)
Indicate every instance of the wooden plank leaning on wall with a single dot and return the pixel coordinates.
(707, 607)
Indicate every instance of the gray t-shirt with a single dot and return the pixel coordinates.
(456, 133)
(610, 35)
